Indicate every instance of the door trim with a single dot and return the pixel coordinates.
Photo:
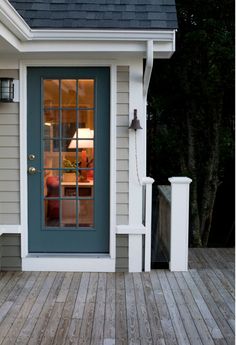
(28, 261)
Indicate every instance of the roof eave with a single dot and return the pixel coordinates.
(25, 38)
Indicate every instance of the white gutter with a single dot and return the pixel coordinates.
(148, 68)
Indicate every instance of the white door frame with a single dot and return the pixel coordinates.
(95, 262)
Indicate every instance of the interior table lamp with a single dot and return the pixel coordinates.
(84, 136)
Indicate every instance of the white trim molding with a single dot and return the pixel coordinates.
(10, 229)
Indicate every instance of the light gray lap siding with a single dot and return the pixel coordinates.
(122, 184)
(122, 163)
(9, 159)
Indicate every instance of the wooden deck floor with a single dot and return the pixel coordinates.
(196, 307)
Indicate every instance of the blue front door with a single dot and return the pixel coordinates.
(68, 159)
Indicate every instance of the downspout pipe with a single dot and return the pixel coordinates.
(148, 69)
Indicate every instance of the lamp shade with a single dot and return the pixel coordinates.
(6, 90)
(83, 134)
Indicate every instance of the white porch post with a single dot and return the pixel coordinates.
(179, 223)
(148, 181)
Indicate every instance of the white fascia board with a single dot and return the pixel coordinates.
(121, 47)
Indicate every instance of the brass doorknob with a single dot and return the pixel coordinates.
(32, 170)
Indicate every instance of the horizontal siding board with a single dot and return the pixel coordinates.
(122, 252)
(9, 73)
(7, 141)
(9, 163)
(9, 196)
(9, 119)
(9, 130)
(9, 175)
(9, 152)
(11, 251)
(123, 76)
(122, 262)
(122, 120)
(123, 68)
(122, 187)
(122, 153)
(122, 209)
(122, 165)
(122, 132)
(11, 263)
(122, 240)
(14, 186)
(9, 219)
(8, 109)
(122, 198)
(10, 240)
(122, 86)
(123, 109)
(123, 97)
(122, 220)
(9, 207)
(122, 176)
(122, 143)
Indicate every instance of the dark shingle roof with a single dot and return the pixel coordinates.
(98, 14)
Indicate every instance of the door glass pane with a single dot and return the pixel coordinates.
(51, 123)
(85, 213)
(68, 91)
(68, 123)
(68, 142)
(86, 120)
(86, 93)
(51, 93)
(69, 213)
(51, 198)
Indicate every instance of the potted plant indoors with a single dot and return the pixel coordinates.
(70, 171)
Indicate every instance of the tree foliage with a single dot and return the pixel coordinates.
(191, 107)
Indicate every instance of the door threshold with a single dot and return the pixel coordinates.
(68, 262)
(68, 255)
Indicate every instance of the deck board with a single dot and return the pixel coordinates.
(156, 308)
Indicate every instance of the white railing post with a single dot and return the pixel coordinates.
(148, 181)
(179, 223)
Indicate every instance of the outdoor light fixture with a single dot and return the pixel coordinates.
(6, 90)
(135, 124)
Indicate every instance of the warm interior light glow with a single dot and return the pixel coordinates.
(83, 134)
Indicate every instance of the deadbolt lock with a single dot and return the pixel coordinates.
(32, 170)
(31, 157)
